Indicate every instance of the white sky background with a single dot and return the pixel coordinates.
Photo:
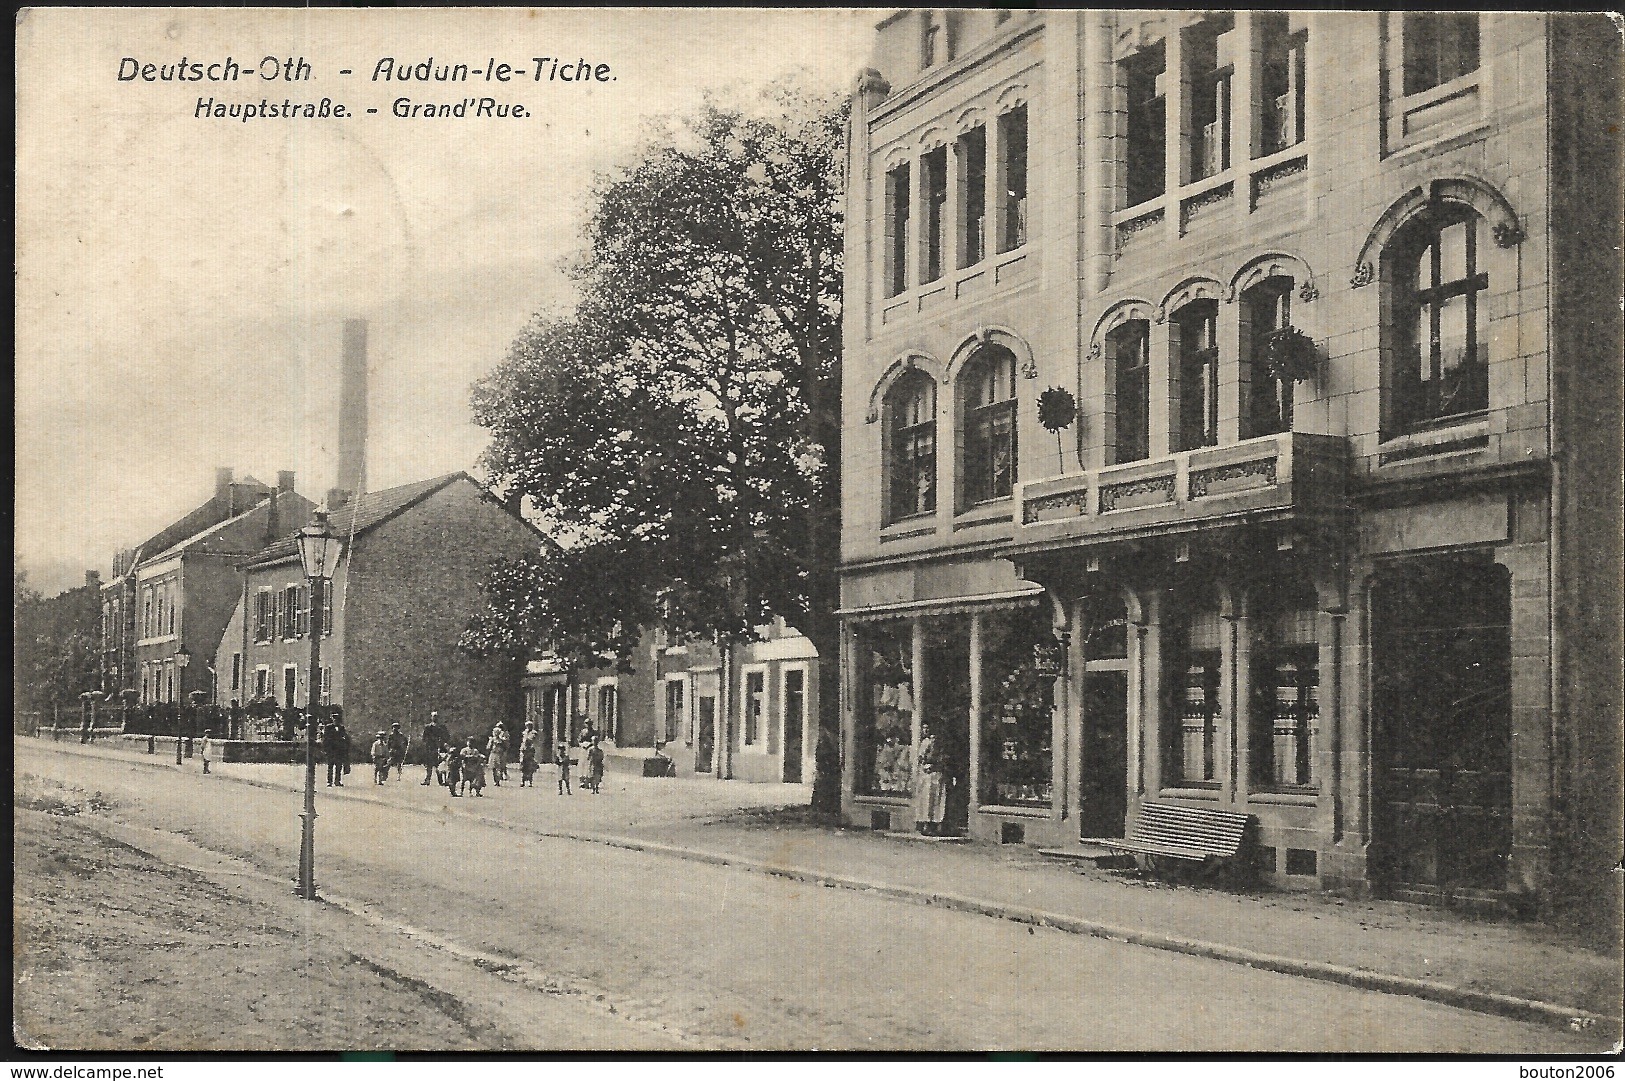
(181, 281)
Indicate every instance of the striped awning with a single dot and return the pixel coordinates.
(984, 602)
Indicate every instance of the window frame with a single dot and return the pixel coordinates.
(764, 721)
(1412, 407)
(895, 434)
(985, 419)
(803, 669)
(1281, 287)
(898, 196)
(1114, 341)
(1204, 363)
(1143, 146)
(935, 231)
(971, 209)
(1012, 209)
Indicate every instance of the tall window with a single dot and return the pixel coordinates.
(1012, 208)
(934, 176)
(262, 616)
(1128, 351)
(1438, 47)
(1147, 124)
(170, 588)
(1198, 374)
(1285, 714)
(970, 152)
(990, 424)
(1441, 355)
(292, 615)
(609, 713)
(1267, 309)
(911, 408)
(236, 672)
(755, 707)
(1209, 66)
(897, 235)
(676, 700)
(1281, 54)
(1193, 741)
(327, 608)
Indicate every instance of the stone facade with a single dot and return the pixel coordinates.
(405, 588)
(1296, 271)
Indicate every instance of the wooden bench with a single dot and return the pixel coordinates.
(1199, 834)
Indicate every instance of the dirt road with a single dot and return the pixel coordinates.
(708, 956)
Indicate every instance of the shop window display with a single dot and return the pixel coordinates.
(1017, 709)
(1191, 744)
(1285, 724)
(885, 710)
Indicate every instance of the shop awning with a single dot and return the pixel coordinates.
(983, 602)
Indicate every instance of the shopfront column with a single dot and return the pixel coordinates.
(1164, 397)
(975, 771)
(1238, 701)
(1147, 702)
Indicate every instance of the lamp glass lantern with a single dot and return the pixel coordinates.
(319, 549)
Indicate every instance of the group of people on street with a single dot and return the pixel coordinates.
(463, 768)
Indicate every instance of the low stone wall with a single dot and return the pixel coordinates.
(231, 750)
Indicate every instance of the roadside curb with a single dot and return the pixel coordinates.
(1489, 1002)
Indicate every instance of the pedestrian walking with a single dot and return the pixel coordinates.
(527, 755)
(473, 767)
(209, 748)
(398, 743)
(451, 763)
(335, 743)
(434, 740)
(498, 748)
(379, 753)
(561, 754)
(595, 767)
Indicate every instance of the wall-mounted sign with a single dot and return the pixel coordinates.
(1049, 659)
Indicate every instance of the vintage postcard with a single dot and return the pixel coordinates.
(804, 530)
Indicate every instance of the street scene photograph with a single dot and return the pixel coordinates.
(796, 531)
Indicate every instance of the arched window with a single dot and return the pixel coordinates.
(911, 420)
(1128, 367)
(1439, 351)
(989, 383)
(1266, 309)
(1198, 352)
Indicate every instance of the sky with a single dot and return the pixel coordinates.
(181, 280)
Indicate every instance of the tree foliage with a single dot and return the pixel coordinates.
(54, 656)
(678, 430)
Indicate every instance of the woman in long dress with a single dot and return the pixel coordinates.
(931, 791)
(498, 748)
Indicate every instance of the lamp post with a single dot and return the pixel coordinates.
(183, 657)
(319, 552)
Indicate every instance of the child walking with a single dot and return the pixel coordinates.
(561, 755)
(380, 758)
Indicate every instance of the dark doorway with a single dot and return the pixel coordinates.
(1441, 662)
(947, 709)
(1103, 755)
(705, 714)
(795, 718)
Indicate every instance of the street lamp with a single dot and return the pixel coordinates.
(183, 657)
(319, 551)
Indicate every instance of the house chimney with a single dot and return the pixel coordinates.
(284, 480)
(337, 497)
(273, 522)
(352, 472)
(93, 579)
(222, 480)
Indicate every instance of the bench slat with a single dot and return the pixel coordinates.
(1192, 833)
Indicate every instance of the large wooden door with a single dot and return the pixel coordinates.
(705, 718)
(1103, 755)
(1441, 663)
(795, 719)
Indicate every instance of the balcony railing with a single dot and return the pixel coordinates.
(1270, 476)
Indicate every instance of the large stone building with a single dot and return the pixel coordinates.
(1319, 519)
(177, 588)
(414, 560)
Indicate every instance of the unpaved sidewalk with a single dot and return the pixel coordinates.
(753, 823)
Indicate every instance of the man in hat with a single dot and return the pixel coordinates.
(398, 742)
(433, 743)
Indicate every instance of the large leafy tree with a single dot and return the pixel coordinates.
(679, 429)
(54, 656)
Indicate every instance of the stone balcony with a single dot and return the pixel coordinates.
(1269, 478)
